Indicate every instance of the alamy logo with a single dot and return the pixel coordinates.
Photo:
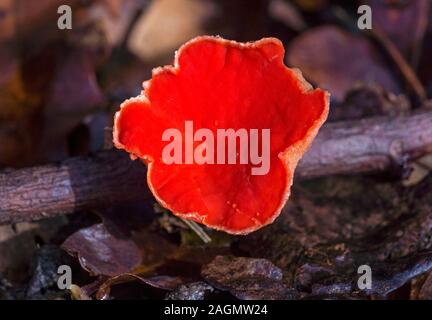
(65, 277)
(65, 20)
(364, 22)
(365, 280)
(229, 146)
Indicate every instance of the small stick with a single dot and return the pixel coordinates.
(422, 25)
(198, 230)
(404, 67)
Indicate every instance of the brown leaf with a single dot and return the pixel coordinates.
(160, 282)
(395, 19)
(288, 14)
(335, 60)
(36, 21)
(393, 275)
(64, 108)
(100, 253)
(247, 278)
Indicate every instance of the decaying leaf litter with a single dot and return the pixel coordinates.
(330, 226)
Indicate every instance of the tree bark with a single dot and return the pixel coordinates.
(110, 177)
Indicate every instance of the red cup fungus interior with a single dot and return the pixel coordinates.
(217, 84)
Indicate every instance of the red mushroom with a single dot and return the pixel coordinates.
(215, 86)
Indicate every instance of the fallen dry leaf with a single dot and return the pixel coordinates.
(336, 60)
(395, 19)
(100, 253)
(160, 282)
(247, 278)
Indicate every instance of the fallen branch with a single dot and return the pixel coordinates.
(110, 178)
(367, 145)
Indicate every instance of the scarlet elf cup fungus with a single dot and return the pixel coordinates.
(222, 131)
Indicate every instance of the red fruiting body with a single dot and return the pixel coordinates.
(216, 83)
